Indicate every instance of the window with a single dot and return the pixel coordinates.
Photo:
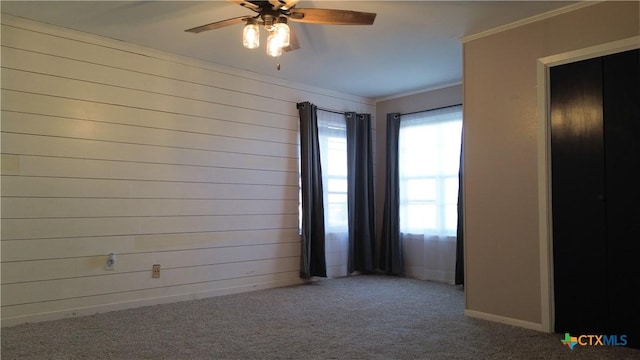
(429, 160)
(332, 136)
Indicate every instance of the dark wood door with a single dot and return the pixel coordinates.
(595, 162)
(577, 191)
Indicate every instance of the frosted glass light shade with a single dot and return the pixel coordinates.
(251, 35)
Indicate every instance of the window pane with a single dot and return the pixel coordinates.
(333, 198)
(336, 163)
(420, 217)
(451, 191)
(451, 219)
(429, 160)
(422, 189)
(337, 185)
(332, 136)
(337, 216)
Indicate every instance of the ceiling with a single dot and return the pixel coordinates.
(412, 45)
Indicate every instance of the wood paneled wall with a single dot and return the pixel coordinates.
(110, 147)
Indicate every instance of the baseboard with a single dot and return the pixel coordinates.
(504, 320)
(421, 273)
(90, 310)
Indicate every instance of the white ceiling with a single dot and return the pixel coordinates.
(412, 45)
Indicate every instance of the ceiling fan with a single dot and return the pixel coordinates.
(274, 15)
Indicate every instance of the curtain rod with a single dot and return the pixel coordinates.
(440, 108)
(333, 111)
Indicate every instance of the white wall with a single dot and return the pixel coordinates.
(110, 147)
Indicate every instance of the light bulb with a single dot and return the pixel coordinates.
(274, 47)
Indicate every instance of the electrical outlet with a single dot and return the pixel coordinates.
(110, 264)
(156, 271)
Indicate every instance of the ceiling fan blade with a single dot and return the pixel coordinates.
(332, 17)
(247, 4)
(218, 24)
(283, 4)
(293, 41)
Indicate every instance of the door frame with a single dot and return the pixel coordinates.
(544, 162)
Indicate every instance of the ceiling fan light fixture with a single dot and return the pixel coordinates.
(251, 34)
(274, 46)
(274, 15)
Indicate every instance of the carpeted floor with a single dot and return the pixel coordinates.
(359, 317)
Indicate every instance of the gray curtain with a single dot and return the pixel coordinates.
(391, 259)
(460, 234)
(312, 260)
(360, 192)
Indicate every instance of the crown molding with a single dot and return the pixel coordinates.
(531, 19)
(438, 87)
